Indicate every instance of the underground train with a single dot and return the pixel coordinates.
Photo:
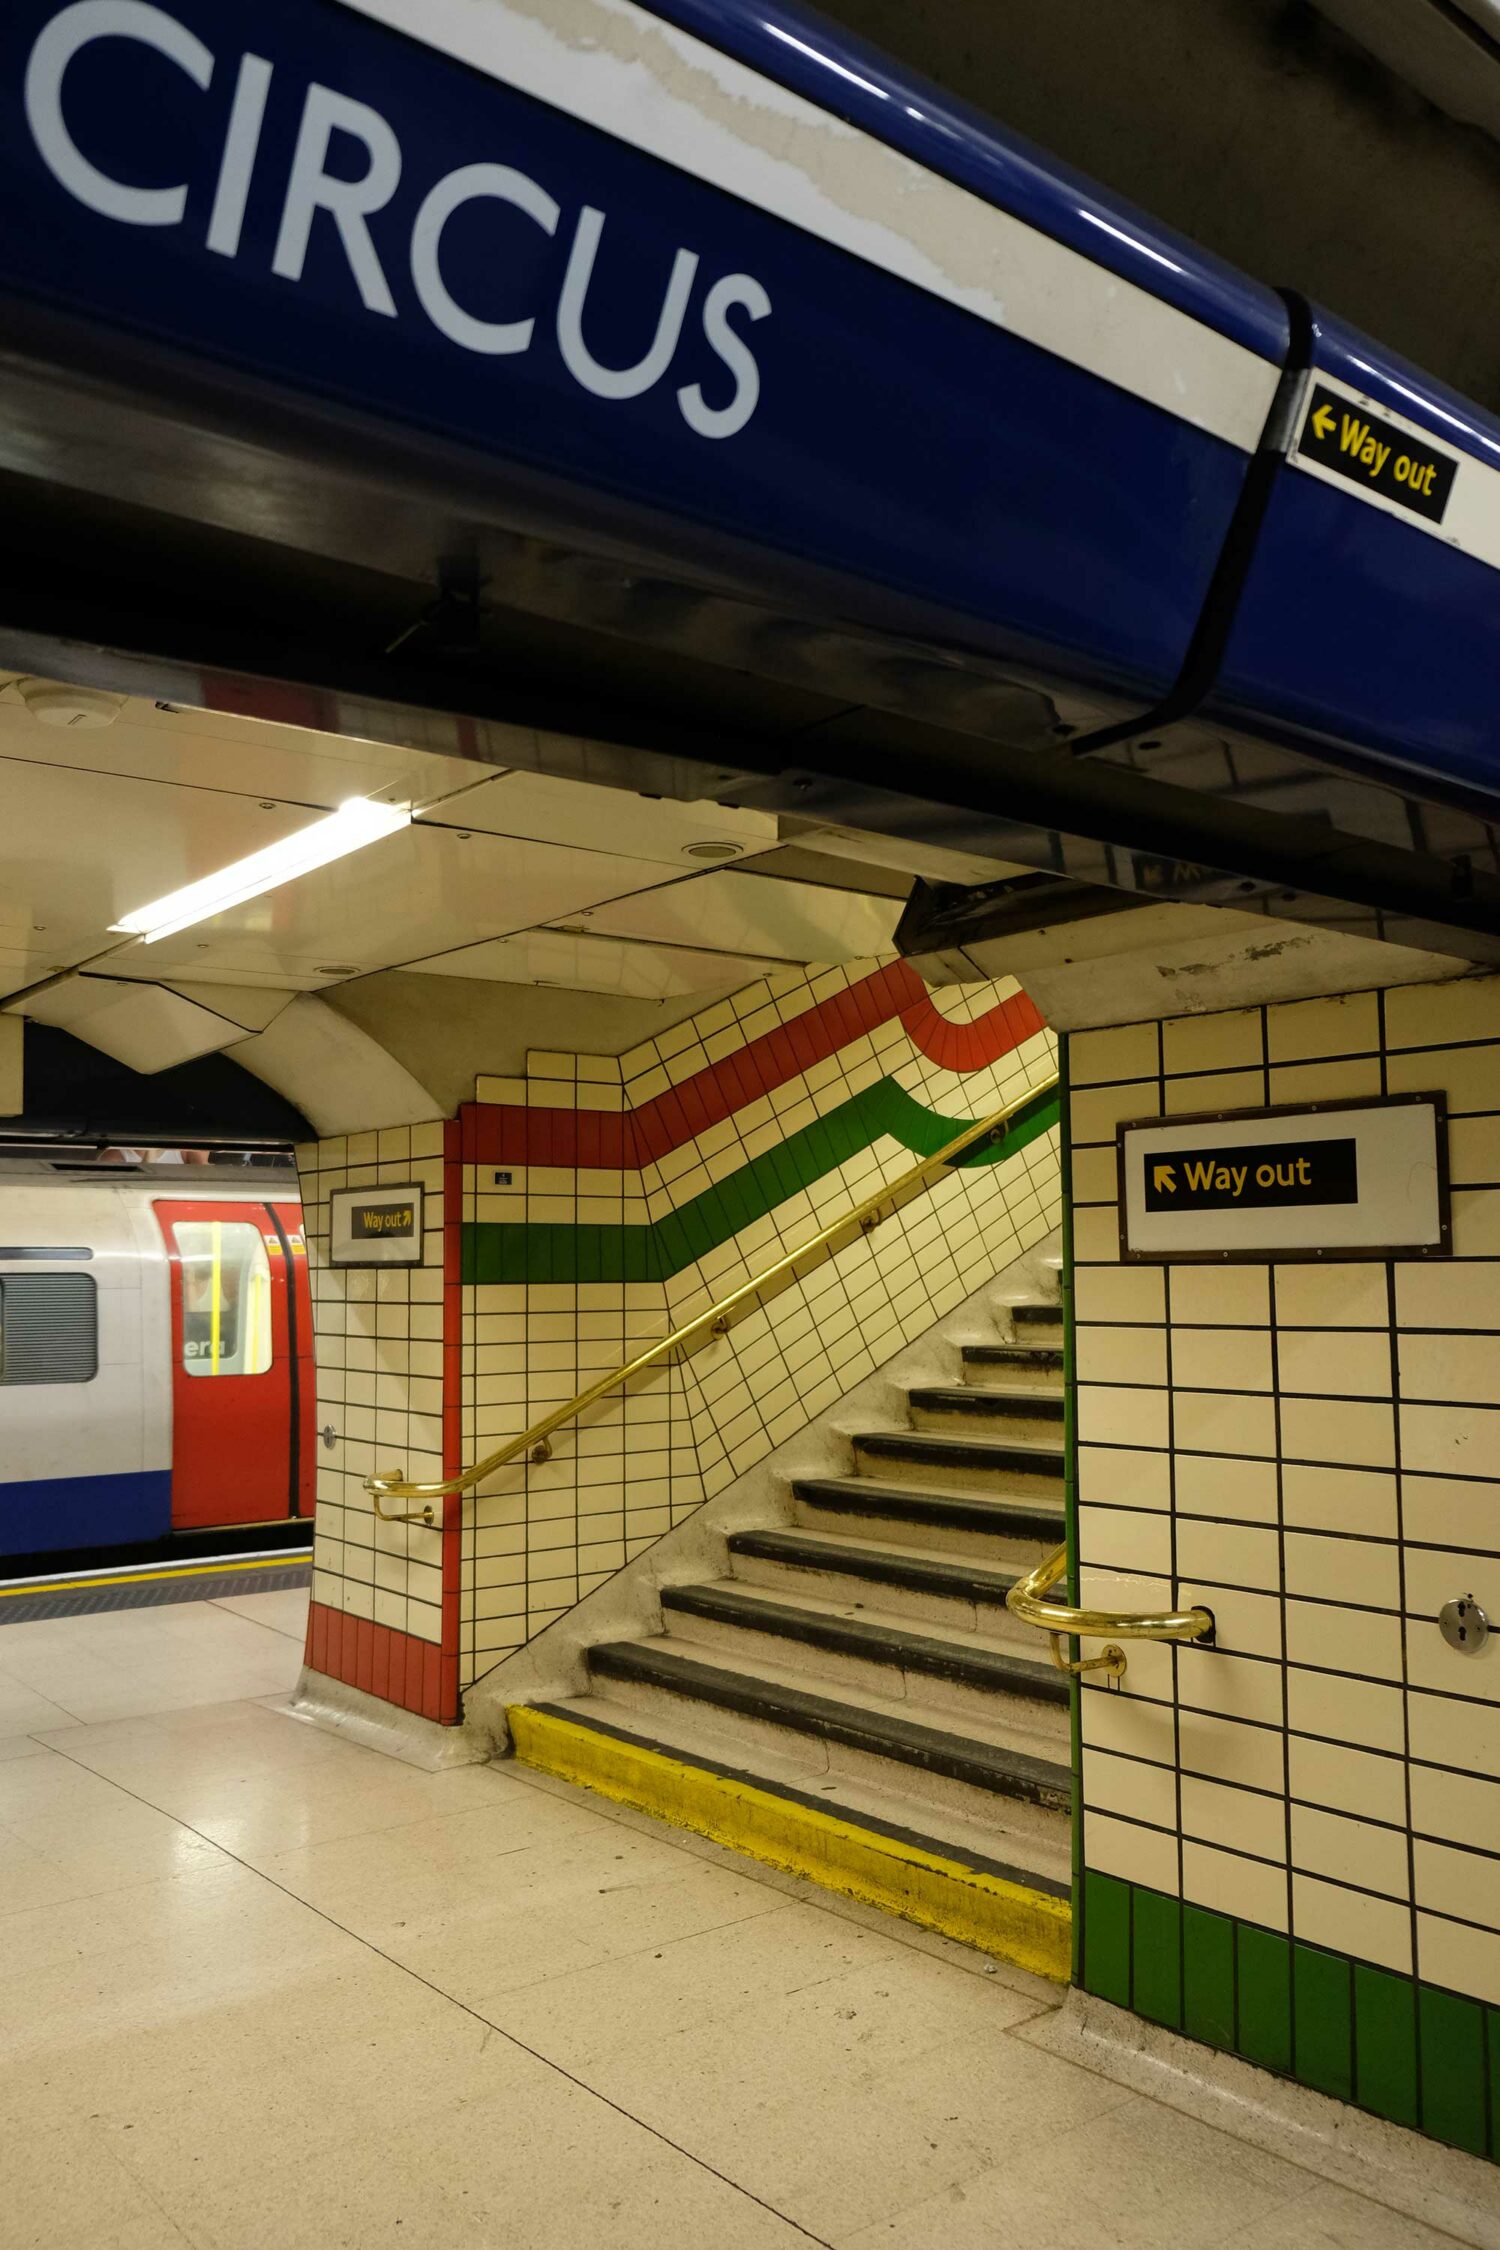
(156, 1355)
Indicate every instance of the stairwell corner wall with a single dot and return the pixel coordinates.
(580, 1213)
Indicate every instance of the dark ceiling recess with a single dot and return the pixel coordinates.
(72, 1088)
(1266, 132)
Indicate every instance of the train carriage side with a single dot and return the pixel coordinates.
(155, 1361)
(85, 1441)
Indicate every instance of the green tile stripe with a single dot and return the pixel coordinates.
(499, 1252)
(1389, 2044)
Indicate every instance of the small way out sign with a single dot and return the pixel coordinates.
(1331, 1180)
(1375, 455)
(1254, 1178)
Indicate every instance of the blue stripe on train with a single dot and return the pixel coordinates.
(105, 1511)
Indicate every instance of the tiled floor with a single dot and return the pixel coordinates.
(260, 1987)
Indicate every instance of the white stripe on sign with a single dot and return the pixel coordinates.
(1471, 516)
(622, 70)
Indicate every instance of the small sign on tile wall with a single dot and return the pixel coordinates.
(1330, 1180)
(375, 1226)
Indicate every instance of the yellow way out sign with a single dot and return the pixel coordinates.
(1375, 454)
(1335, 1179)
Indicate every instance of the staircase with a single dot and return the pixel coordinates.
(853, 1698)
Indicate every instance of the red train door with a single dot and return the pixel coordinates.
(303, 1481)
(237, 1449)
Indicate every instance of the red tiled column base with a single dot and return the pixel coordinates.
(395, 1666)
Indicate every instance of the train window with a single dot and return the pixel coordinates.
(226, 1297)
(49, 1328)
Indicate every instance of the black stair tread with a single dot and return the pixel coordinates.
(580, 1711)
(1027, 1456)
(902, 1567)
(1031, 1316)
(1013, 1355)
(1045, 1448)
(856, 1726)
(914, 1503)
(874, 1641)
(966, 1398)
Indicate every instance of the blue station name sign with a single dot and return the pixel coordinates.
(299, 193)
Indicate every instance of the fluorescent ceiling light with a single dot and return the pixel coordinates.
(358, 822)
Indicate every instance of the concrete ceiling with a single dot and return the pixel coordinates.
(588, 895)
(1349, 150)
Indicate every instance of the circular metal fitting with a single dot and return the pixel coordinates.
(1464, 1625)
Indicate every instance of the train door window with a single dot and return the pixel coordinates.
(49, 1328)
(226, 1297)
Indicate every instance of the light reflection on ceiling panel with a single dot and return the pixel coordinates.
(79, 850)
(423, 892)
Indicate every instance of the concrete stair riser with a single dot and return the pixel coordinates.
(941, 1606)
(1025, 1417)
(932, 1794)
(1003, 1515)
(1016, 1469)
(855, 1663)
(1002, 1367)
(997, 1550)
(816, 1822)
(871, 1662)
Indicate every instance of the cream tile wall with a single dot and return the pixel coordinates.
(379, 1342)
(1313, 1451)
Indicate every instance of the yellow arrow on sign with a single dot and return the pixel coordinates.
(1164, 1179)
(1323, 422)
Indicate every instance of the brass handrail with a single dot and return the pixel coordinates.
(1027, 1600)
(535, 1443)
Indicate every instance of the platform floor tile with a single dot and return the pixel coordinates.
(259, 1985)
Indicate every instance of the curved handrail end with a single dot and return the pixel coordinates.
(1027, 1600)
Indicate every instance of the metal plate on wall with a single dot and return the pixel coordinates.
(1322, 1180)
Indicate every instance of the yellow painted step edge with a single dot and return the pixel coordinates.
(1033, 1929)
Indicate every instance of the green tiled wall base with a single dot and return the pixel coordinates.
(1404, 2050)
(495, 1251)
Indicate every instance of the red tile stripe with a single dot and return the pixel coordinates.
(625, 1141)
(377, 1659)
(971, 1046)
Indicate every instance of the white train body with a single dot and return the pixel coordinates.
(109, 1436)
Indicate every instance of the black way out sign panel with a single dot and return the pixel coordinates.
(1333, 1180)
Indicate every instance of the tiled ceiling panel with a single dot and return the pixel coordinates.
(606, 820)
(78, 850)
(423, 892)
(247, 757)
(755, 915)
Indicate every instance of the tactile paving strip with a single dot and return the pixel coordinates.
(151, 1589)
